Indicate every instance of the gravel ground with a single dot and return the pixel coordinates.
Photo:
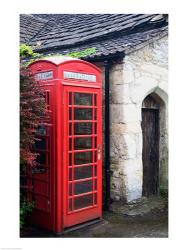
(147, 218)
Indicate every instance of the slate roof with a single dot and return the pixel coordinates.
(110, 34)
(30, 26)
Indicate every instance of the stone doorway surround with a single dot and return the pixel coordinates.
(140, 73)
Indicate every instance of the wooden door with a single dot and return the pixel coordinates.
(150, 155)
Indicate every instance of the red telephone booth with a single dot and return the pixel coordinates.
(67, 182)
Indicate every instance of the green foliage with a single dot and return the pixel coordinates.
(163, 192)
(32, 108)
(25, 209)
(83, 53)
(26, 51)
(79, 54)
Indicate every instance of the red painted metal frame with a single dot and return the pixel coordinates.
(57, 217)
(94, 211)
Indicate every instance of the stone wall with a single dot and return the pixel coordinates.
(139, 74)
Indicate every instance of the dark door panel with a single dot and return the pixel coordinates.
(150, 155)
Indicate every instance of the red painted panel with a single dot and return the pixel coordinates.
(67, 188)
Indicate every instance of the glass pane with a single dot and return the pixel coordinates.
(82, 158)
(82, 187)
(83, 99)
(95, 142)
(70, 98)
(70, 160)
(83, 143)
(95, 156)
(70, 114)
(95, 128)
(95, 170)
(70, 128)
(95, 184)
(70, 205)
(95, 198)
(83, 201)
(82, 114)
(41, 158)
(70, 188)
(40, 143)
(95, 100)
(82, 172)
(83, 128)
(41, 130)
(95, 114)
(70, 143)
(70, 174)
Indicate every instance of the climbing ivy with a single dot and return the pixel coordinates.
(78, 54)
(26, 52)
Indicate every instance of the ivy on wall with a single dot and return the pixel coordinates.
(26, 52)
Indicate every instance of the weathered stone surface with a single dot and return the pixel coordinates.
(142, 73)
(125, 113)
(130, 127)
(154, 69)
(132, 172)
(128, 75)
(116, 77)
(123, 146)
(120, 94)
(141, 88)
(118, 128)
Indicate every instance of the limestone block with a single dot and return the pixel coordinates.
(143, 81)
(139, 143)
(117, 113)
(141, 88)
(128, 75)
(123, 146)
(133, 127)
(137, 74)
(133, 179)
(125, 113)
(130, 127)
(133, 194)
(116, 77)
(118, 128)
(117, 66)
(154, 69)
(120, 94)
(163, 84)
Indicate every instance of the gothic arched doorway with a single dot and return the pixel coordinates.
(150, 154)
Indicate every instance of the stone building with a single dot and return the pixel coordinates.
(132, 51)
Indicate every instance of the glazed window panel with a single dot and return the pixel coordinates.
(83, 99)
(40, 144)
(83, 143)
(83, 128)
(83, 187)
(82, 114)
(83, 201)
(41, 158)
(82, 158)
(82, 172)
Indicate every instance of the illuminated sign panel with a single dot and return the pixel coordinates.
(44, 75)
(79, 76)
